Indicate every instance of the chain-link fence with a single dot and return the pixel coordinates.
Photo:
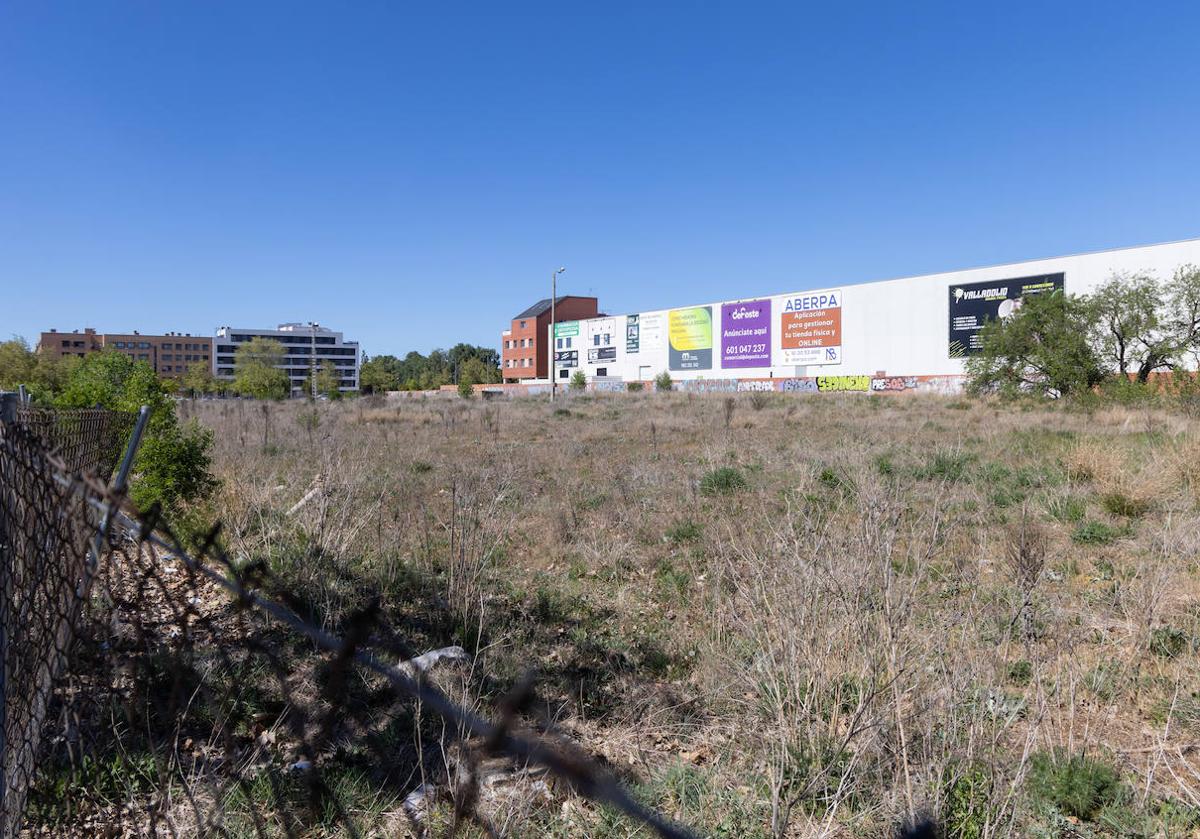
(150, 690)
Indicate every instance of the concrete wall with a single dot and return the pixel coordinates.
(890, 328)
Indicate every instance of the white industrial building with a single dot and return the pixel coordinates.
(910, 327)
(302, 342)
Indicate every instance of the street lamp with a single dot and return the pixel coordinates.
(312, 361)
(553, 300)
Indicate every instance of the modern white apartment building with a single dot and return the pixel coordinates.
(302, 342)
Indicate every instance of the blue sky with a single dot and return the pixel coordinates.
(412, 173)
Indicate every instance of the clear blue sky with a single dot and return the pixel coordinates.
(412, 173)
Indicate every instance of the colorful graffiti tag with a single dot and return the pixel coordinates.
(826, 384)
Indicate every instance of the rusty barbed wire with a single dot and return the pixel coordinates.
(163, 691)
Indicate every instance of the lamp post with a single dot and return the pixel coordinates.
(553, 346)
(312, 361)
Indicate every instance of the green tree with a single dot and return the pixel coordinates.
(172, 465)
(198, 379)
(578, 380)
(18, 363)
(380, 374)
(328, 380)
(1042, 348)
(1127, 331)
(256, 369)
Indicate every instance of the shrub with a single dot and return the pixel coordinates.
(1067, 509)
(1020, 672)
(759, 399)
(968, 804)
(1095, 533)
(1168, 642)
(1077, 786)
(946, 466)
(1119, 504)
(663, 381)
(723, 481)
(633, 387)
(578, 381)
(685, 531)
(465, 389)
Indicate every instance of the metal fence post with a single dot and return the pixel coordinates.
(8, 414)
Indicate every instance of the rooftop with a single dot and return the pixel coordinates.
(544, 305)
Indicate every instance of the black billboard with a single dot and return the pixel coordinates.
(602, 354)
(974, 304)
(569, 358)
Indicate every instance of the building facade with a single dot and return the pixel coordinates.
(170, 355)
(523, 347)
(838, 336)
(302, 343)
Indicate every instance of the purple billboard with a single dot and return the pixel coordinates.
(746, 334)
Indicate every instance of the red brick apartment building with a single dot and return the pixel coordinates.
(523, 350)
(170, 355)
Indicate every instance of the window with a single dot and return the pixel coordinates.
(522, 326)
(120, 345)
(167, 368)
(143, 356)
(66, 343)
(562, 374)
(558, 344)
(143, 345)
(601, 371)
(166, 346)
(595, 340)
(568, 343)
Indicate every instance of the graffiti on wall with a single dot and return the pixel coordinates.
(708, 385)
(796, 385)
(827, 384)
(894, 383)
(750, 385)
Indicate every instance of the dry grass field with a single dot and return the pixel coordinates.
(774, 615)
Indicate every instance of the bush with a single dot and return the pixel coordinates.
(1119, 504)
(578, 381)
(633, 387)
(1095, 533)
(946, 466)
(1067, 509)
(1077, 786)
(968, 803)
(1168, 642)
(663, 381)
(723, 481)
(465, 389)
(685, 531)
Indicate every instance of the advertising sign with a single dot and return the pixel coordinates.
(690, 336)
(974, 304)
(746, 334)
(602, 354)
(810, 327)
(653, 330)
(633, 334)
(568, 328)
(567, 358)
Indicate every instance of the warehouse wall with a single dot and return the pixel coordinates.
(893, 327)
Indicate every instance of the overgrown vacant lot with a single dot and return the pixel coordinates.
(776, 616)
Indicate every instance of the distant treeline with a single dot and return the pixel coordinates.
(462, 363)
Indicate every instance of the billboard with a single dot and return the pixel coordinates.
(633, 334)
(566, 329)
(602, 354)
(974, 304)
(810, 327)
(746, 334)
(567, 358)
(690, 336)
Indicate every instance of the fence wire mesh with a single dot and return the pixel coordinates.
(154, 691)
